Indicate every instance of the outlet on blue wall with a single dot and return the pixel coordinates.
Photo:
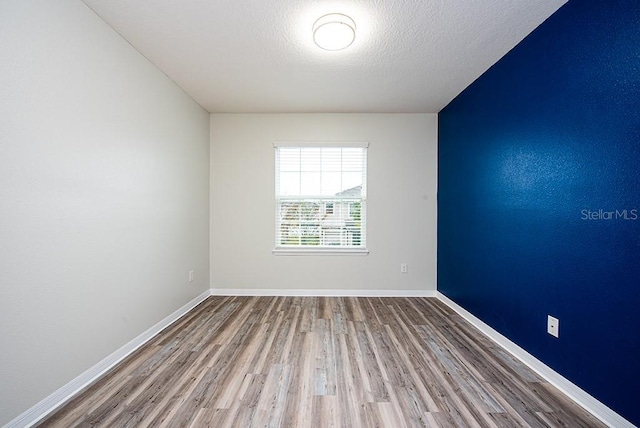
(539, 197)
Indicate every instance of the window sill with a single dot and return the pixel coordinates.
(320, 251)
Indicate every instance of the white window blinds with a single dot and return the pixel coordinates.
(321, 194)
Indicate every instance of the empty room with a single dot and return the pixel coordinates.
(325, 213)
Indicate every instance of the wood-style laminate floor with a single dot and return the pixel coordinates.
(321, 362)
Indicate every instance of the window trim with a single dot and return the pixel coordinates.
(323, 251)
(311, 250)
(347, 145)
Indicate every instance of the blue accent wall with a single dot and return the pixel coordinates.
(539, 197)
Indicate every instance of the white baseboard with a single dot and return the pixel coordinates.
(319, 293)
(581, 397)
(68, 391)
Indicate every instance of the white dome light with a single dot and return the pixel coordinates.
(334, 32)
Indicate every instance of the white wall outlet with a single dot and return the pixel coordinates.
(553, 326)
(404, 268)
(190, 276)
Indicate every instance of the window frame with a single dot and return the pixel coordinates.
(326, 249)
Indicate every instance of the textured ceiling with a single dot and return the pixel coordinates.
(258, 56)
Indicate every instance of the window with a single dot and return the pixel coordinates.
(328, 208)
(321, 193)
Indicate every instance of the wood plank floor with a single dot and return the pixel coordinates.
(321, 362)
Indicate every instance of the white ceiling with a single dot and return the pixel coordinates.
(257, 56)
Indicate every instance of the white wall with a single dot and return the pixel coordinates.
(401, 213)
(104, 202)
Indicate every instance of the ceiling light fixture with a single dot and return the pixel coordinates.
(334, 32)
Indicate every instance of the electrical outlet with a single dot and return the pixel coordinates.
(404, 268)
(190, 276)
(553, 326)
